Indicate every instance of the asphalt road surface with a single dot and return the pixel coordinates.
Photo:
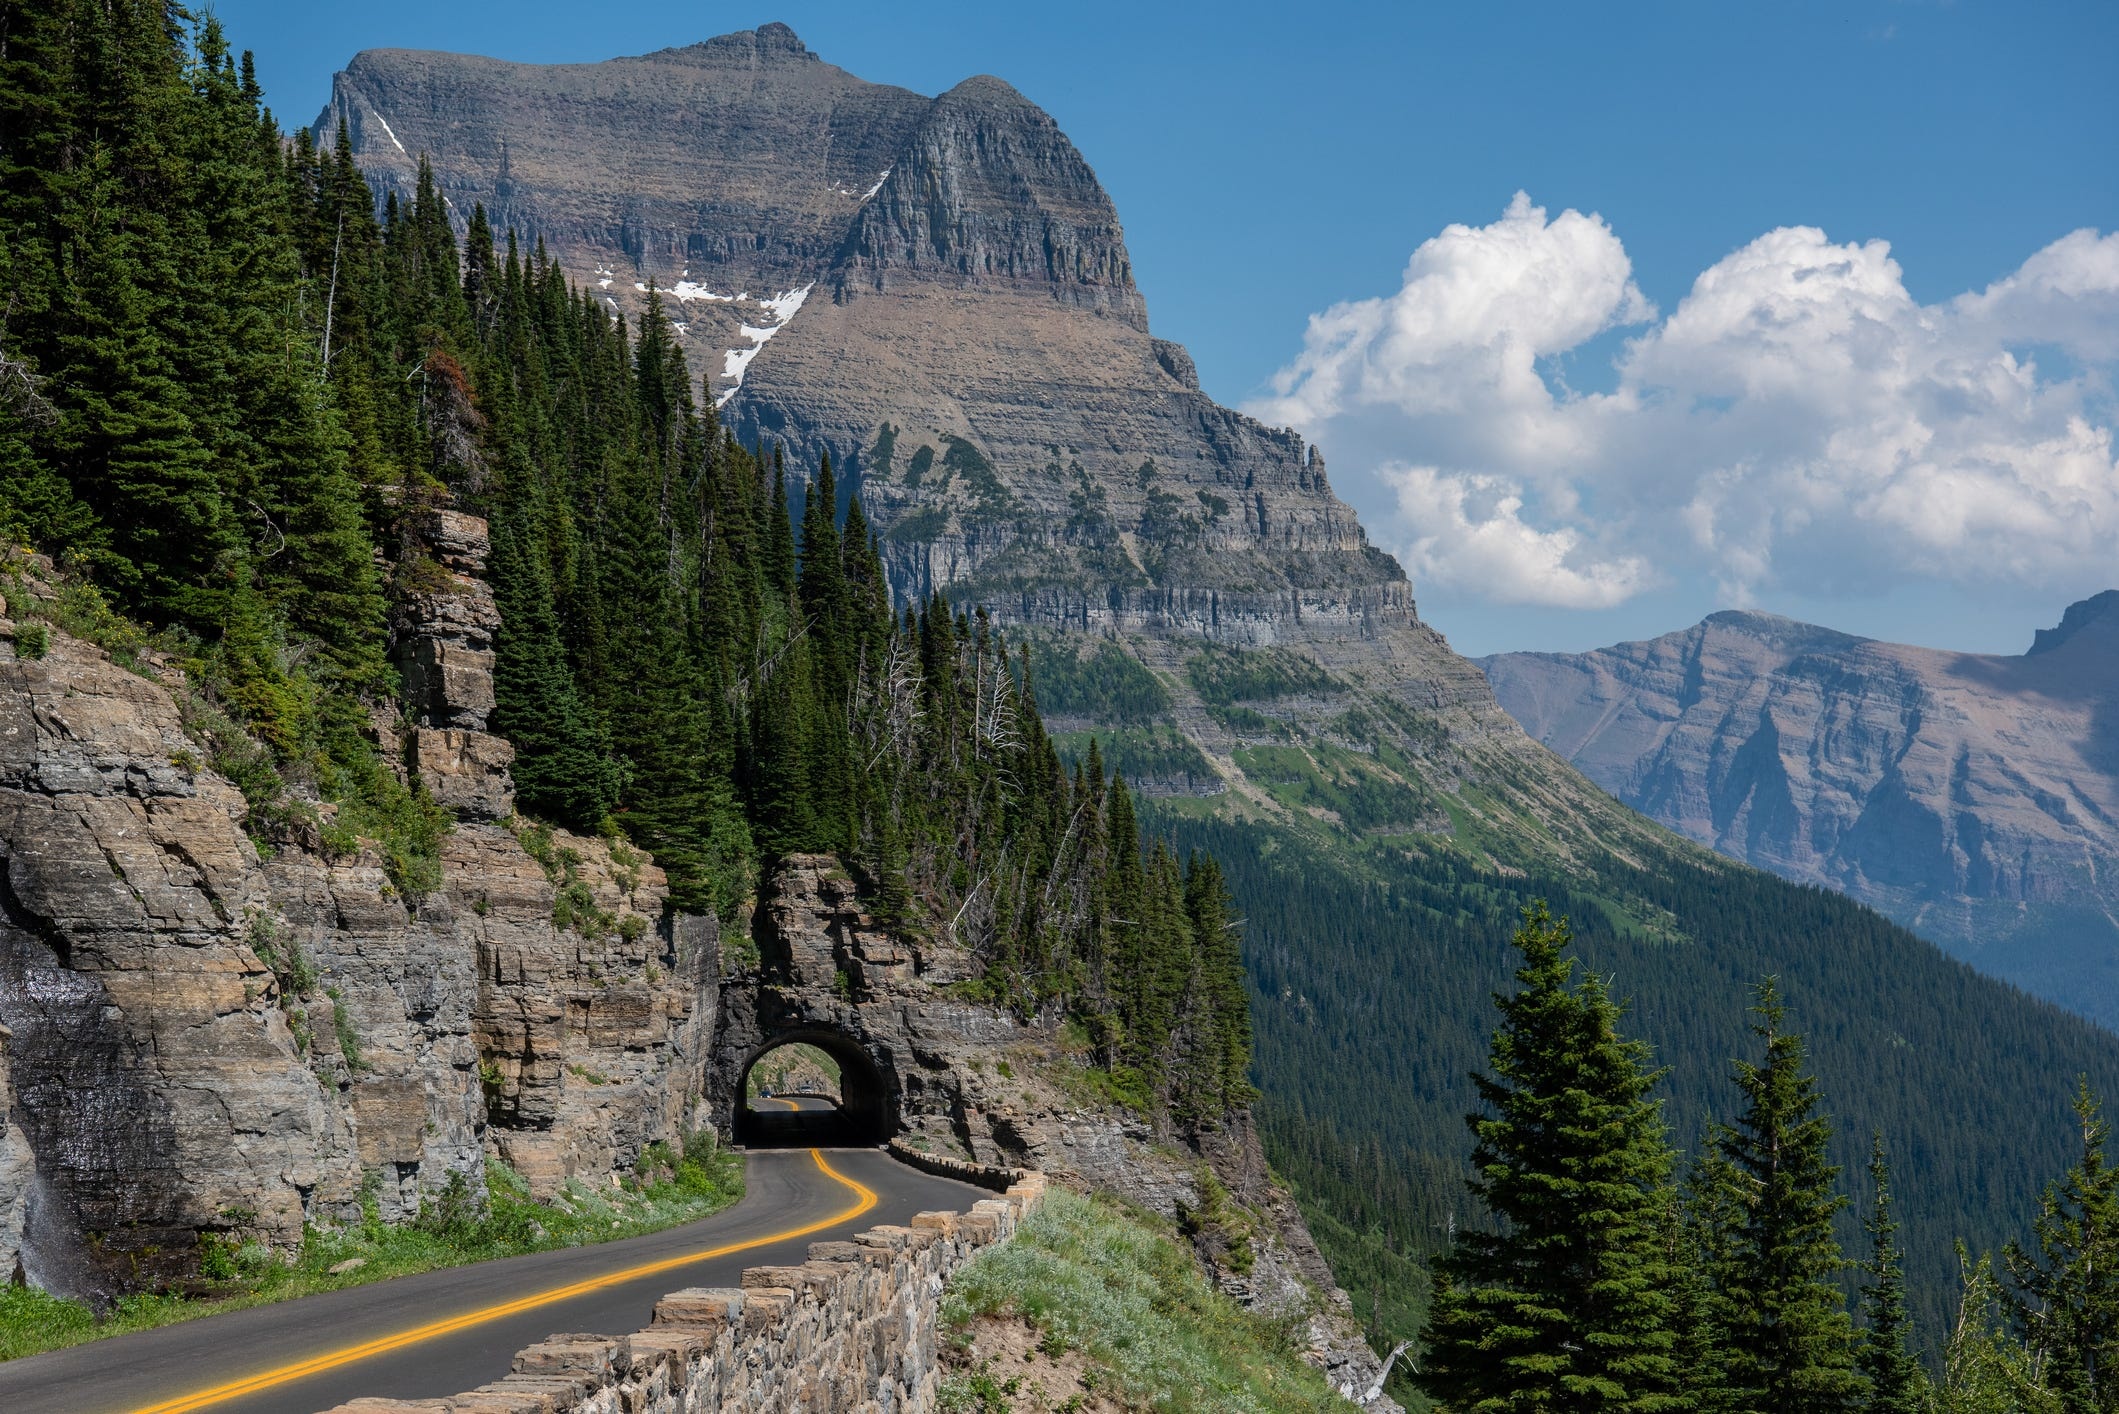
(444, 1332)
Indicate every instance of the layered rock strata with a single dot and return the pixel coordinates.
(1973, 797)
(935, 291)
(854, 1328)
(206, 1040)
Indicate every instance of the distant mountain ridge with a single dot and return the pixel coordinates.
(1973, 797)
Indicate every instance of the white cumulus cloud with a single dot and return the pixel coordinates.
(1469, 530)
(1799, 418)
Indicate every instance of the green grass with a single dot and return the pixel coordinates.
(451, 1230)
(1118, 1288)
(1366, 797)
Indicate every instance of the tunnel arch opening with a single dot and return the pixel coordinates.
(786, 1094)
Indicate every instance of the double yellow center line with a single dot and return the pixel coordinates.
(865, 1198)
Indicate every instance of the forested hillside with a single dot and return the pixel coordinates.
(1372, 1002)
(230, 384)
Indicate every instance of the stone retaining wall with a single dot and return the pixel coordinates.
(1000, 1180)
(853, 1330)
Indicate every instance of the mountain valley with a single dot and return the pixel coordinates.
(564, 598)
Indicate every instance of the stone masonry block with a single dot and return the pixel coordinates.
(708, 1306)
(766, 1310)
(886, 1235)
(570, 1354)
(673, 1349)
(499, 1399)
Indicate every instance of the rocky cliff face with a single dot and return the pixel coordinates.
(935, 291)
(1974, 798)
(202, 1038)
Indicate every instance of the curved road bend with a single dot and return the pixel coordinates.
(793, 1199)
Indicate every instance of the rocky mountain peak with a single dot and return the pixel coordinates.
(773, 43)
(991, 191)
(935, 291)
(2096, 617)
(1777, 631)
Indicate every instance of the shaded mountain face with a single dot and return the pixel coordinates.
(1974, 798)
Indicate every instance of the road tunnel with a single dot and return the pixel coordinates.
(812, 1086)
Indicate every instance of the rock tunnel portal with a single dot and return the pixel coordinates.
(806, 1113)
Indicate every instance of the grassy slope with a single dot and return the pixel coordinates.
(1121, 1294)
(450, 1232)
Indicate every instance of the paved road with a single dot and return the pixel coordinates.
(488, 1311)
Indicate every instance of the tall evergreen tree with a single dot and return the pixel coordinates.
(2065, 1296)
(1786, 1335)
(1223, 1008)
(1887, 1361)
(563, 769)
(1568, 1305)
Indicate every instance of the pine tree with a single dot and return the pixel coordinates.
(1695, 1251)
(1786, 1334)
(1984, 1369)
(1125, 910)
(1887, 1362)
(1225, 1007)
(1568, 1306)
(2065, 1296)
(562, 770)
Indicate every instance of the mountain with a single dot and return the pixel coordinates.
(938, 295)
(1972, 797)
(936, 292)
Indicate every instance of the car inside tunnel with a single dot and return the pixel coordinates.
(812, 1087)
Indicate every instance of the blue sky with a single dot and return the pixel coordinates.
(1272, 161)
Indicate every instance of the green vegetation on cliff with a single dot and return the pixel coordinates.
(1090, 1301)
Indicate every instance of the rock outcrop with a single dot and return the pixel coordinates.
(205, 1039)
(1974, 798)
(958, 1081)
(156, 1080)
